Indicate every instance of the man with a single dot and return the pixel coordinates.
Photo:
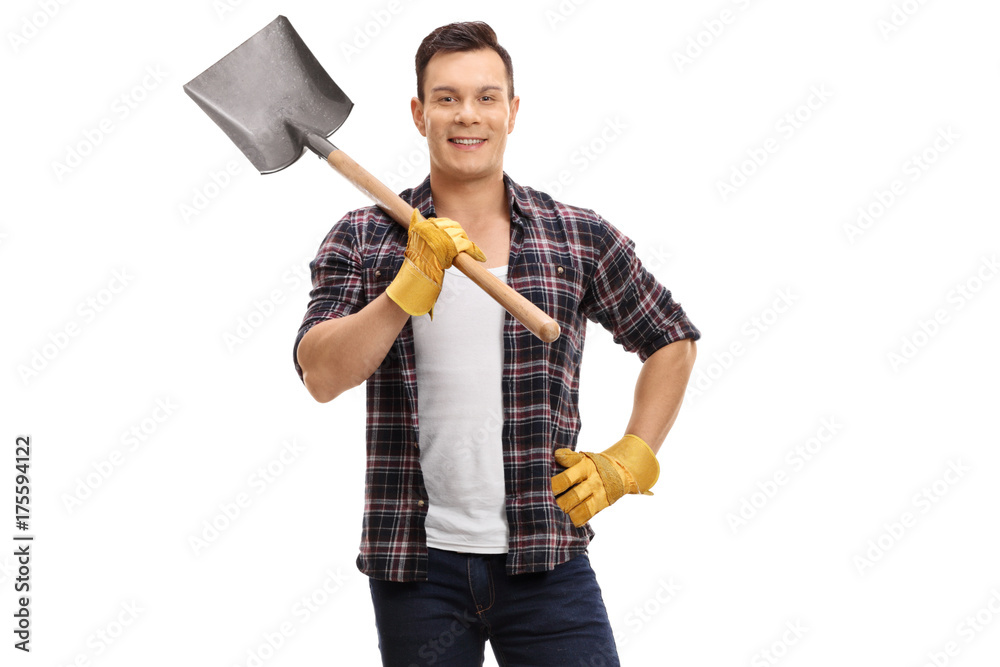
(476, 502)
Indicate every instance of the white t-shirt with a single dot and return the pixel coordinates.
(459, 358)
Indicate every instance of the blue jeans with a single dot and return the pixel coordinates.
(544, 619)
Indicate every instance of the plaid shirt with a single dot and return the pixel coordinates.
(573, 265)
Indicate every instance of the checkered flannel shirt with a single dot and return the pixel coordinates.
(573, 265)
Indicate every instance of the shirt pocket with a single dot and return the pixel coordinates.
(564, 289)
(555, 287)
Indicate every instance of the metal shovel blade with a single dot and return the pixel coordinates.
(267, 92)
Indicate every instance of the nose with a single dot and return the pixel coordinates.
(467, 113)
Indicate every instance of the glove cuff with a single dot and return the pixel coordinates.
(633, 454)
(414, 290)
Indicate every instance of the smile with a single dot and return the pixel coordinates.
(467, 142)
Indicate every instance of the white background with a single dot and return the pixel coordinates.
(846, 548)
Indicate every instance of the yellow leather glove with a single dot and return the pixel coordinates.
(592, 482)
(431, 246)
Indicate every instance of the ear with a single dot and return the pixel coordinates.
(417, 109)
(514, 106)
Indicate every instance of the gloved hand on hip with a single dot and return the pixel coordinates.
(431, 246)
(592, 482)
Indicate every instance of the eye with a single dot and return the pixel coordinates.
(447, 98)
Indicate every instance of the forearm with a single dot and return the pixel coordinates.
(659, 391)
(339, 354)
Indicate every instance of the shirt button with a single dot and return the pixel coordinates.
(377, 273)
(420, 503)
(559, 270)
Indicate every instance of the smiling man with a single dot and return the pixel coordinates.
(477, 503)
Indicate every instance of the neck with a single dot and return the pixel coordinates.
(472, 203)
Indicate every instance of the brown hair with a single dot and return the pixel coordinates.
(454, 37)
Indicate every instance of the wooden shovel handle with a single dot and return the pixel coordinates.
(527, 313)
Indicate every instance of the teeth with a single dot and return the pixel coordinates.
(468, 142)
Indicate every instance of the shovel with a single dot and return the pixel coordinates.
(274, 100)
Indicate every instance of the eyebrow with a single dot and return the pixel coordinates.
(452, 89)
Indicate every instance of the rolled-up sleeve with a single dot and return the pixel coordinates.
(337, 287)
(628, 301)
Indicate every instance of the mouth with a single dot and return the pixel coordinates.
(467, 142)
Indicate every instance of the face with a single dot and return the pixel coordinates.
(466, 114)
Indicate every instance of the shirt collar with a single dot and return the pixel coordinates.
(521, 206)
